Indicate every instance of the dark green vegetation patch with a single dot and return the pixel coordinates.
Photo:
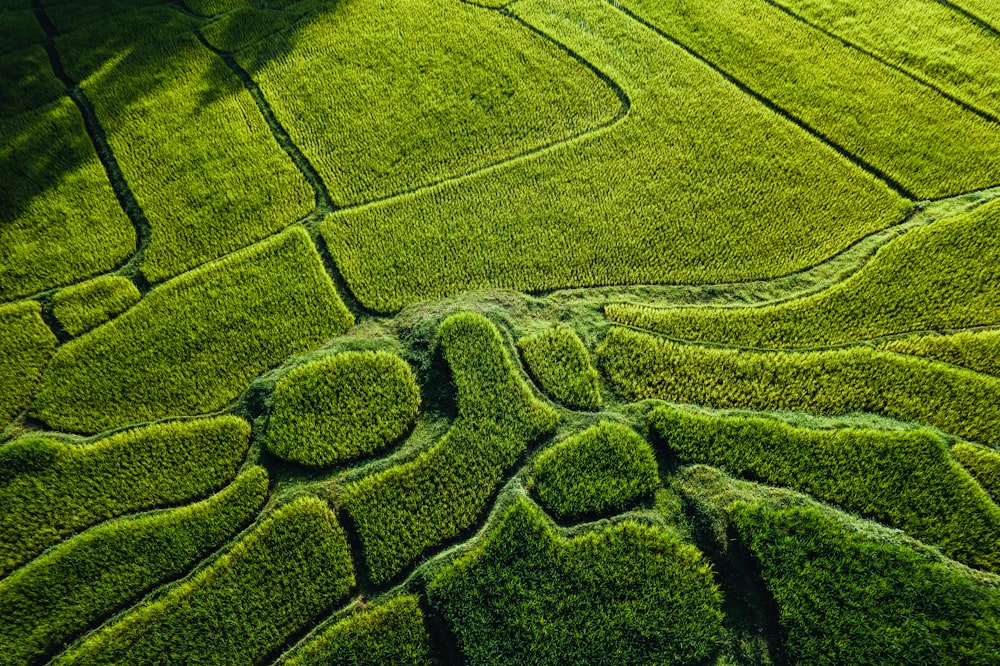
(601, 469)
(342, 407)
(557, 358)
(630, 594)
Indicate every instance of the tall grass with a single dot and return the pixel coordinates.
(85, 579)
(976, 350)
(942, 276)
(982, 463)
(559, 361)
(293, 567)
(632, 204)
(342, 407)
(405, 510)
(628, 594)
(83, 306)
(193, 344)
(26, 344)
(52, 489)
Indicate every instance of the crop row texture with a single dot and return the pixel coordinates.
(560, 363)
(83, 306)
(26, 344)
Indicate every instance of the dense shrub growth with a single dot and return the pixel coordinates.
(941, 276)
(836, 381)
(26, 344)
(342, 407)
(982, 463)
(389, 633)
(601, 469)
(83, 306)
(281, 577)
(559, 361)
(617, 207)
(404, 510)
(976, 350)
(191, 345)
(50, 489)
(929, 144)
(904, 478)
(89, 577)
(630, 594)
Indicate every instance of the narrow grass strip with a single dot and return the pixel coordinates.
(52, 489)
(84, 580)
(976, 350)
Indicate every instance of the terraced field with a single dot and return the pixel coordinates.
(487, 332)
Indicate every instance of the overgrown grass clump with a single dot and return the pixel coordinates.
(342, 407)
(601, 469)
(193, 344)
(389, 633)
(280, 578)
(851, 592)
(51, 489)
(835, 381)
(557, 358)
(404, 510)
(26, 344)
(83, 306)
(903, 478)
(629, 594)
(982, 463)
(87, 578)
(618, 207)
(937, 277)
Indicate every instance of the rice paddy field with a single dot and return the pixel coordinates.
(500, 332)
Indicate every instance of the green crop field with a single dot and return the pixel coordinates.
(500, 332)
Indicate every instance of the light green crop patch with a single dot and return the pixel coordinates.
(87, 578)
(618, 207)
(342, 407)
(557, 358)
(828, 382)
(51, 489)
(199, 157)
(601, 469)
(389, 633)
(26, 344)
(937, 277)
(851, 592)
(282, 577)
(630, 594)
(83, 306)
(903, 478)
(193, 344)
(403, 511)
(976, 350)
(982, 463)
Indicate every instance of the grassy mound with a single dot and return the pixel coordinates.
(557, 358)
(342, 407)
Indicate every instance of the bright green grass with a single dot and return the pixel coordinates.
(193, 344)
(629, 594)
(52, 489)
(26, 344)
(557, 358)
(984, 10)
(923, 37)
(405, 510)
(190, 140)
(245, 26)
(838, 381)
(619, 207)
(83, 306)
(293, 567)
(982, 463)
(927, 143)
(87, 578)
(936, 277)
(601, 469)
(60, 221)
(903, 478)
(387, 97)
(976, 350)
(342, 407)
(849, 592)
(389, 633)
